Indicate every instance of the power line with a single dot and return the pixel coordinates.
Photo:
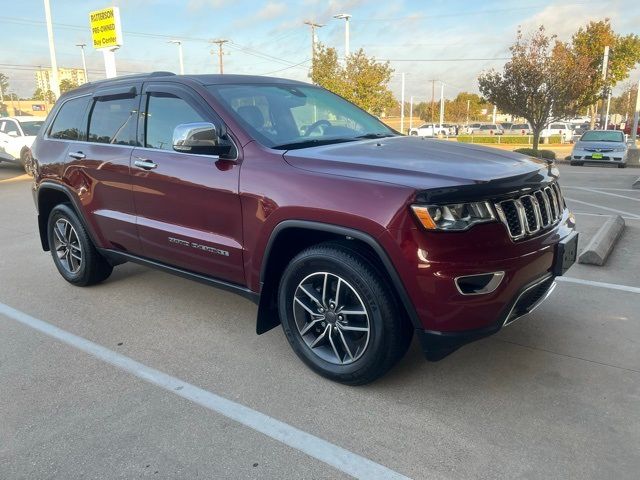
(442, 59)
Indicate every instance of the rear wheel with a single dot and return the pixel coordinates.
(339, 315)
(73, 252)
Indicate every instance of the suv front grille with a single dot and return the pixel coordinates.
(529, 214)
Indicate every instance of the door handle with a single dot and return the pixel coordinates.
(145, 163)
(77, 155)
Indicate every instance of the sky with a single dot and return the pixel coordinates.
(449, 41)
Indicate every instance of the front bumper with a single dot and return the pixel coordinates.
(613, 157)
(437, 345)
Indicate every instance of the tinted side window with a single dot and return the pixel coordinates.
(113, 120)
(164, 113)
(68, 123)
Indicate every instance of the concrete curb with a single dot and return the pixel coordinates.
(601, 245)
(636, 184)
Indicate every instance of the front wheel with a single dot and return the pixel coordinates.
(622, 165)
(73, 252)
(340, 316)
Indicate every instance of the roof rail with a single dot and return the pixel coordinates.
(160, 74)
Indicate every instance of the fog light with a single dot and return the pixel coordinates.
(479, 284)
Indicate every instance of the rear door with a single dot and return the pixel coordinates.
(102, 159)
(188, 208)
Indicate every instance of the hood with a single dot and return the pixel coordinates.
(414, 162)
(599, 145)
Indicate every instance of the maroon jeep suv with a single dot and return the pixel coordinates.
(348, 234)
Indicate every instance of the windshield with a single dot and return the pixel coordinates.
(297, 116)
(31, 127)
(602, 136)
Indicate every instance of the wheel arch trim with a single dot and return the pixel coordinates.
(42, 221)
(390, 270)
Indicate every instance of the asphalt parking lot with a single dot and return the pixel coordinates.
(555, 395)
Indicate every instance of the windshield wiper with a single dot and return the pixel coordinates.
(311, 143)
(376, 135)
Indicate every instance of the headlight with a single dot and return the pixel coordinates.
(457, 216)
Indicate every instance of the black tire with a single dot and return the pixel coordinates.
(25, 162)
(389, 334)
(576, 164)
(622, 165)
(92, 267)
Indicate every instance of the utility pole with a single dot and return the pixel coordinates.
(313, 26)
(634, 130)
(410, 112)
(402, 106)
(346, 17)
(441, 103)
(220, 43)
(55, 83)
(605, 91)
(84, 63)
(433, 100)
(179, 44)
(468, 105)
(495, 112)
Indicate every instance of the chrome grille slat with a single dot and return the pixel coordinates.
(529, 214)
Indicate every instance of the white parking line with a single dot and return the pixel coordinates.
(612, 286)
(338, 457)
(585, 189)
(621, 212)
(601, 215)
(605, 188)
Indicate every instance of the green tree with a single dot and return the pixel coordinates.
(456, 109)
(4, 84)
(362, 80)
(624, 54)
(540, 82)
(38, 94)
(66, 85)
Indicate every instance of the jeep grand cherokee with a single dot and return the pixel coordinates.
(348, 234)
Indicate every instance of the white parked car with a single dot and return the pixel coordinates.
(519, 129)
(490, 129)
(601, 146)
(16, 137)
(563, 129)
(471, 128)
(429, 130)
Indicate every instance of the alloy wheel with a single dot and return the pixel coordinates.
(67, 245)
(331, 318)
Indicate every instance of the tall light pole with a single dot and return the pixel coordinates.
(402, 106)
(179, 44)
(313, 26)
(345, 17)
(84, 63)
(220, 43)
(55, 83)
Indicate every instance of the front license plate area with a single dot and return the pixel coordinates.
(566, 254)
(596, 156)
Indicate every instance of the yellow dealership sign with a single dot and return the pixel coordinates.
(106, 31)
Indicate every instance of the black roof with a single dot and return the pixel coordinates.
(204, 79)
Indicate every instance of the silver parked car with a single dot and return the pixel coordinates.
(600, 146)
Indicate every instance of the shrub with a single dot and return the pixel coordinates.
(546, 154)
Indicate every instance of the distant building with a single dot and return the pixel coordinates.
(43, 77)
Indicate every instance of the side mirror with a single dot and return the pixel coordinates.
(200, 137)
(13, 133)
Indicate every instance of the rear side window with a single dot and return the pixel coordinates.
(113, 120)
(68, 123)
